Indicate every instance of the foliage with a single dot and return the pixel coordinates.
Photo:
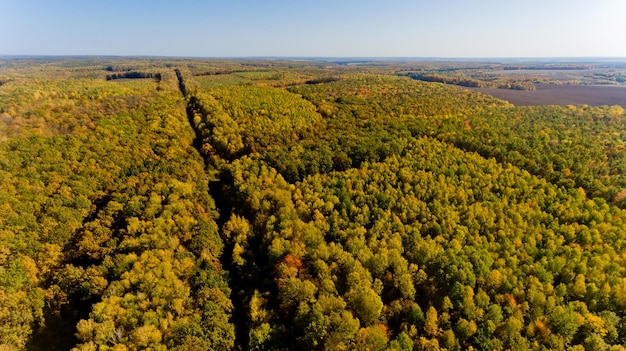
(270, 205)
(111, 225)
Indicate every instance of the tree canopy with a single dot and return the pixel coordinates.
(270, 205)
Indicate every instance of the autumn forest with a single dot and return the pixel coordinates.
(188, 204)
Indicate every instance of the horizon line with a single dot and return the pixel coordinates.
(316, 57)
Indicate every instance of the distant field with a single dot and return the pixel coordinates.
(563, 95)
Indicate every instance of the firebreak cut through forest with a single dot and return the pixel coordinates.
(179, 204)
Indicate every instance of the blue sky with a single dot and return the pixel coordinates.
(322, 28)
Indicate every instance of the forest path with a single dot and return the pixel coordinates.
(218, 191)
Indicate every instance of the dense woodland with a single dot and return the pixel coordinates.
(277, 205)
(516, 76)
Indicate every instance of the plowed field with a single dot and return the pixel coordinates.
(563, 95)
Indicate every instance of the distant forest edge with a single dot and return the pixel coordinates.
(133, 75)
(307, 205)
(474, 83)
(534, 84)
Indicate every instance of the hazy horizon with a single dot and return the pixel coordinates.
(350, 59)
(482, 29)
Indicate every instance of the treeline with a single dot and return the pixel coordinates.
(474, 83)
(561, 67)
(134, 75)
(112, 68)
(618, 77)
(466, 82)
(322, 80)
(218, 72)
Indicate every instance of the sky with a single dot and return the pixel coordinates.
(319, 28)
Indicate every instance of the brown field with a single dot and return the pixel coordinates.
(563, 95)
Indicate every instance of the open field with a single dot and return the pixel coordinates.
(593, 83)
(562, 95)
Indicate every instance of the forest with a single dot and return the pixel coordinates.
(195, 204)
